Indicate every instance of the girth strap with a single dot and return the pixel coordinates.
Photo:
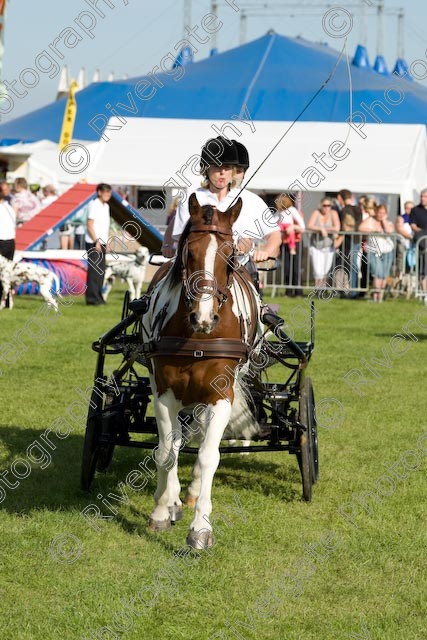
(195, 348)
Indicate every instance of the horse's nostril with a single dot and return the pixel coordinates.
(216, 317)
(193, 317)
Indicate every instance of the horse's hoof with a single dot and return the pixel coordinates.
(157, 526)
(175, 513)
(190, 501)
(200, 540)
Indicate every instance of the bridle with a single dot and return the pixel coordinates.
(207, 286)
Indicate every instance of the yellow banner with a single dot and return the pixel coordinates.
(69, 117)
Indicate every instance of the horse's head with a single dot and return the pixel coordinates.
(206, 262)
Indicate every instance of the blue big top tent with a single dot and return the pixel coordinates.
(273, 78)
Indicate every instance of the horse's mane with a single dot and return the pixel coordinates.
(176, 269)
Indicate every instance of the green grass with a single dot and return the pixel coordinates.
(371, 582)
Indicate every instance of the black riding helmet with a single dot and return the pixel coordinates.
(242, 154)
(218, 151)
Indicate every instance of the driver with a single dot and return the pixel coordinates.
(222, 160)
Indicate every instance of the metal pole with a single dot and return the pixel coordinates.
(243, 26)
(2, 23)
(187, 17)
(214, 10)
(380, 28)
(401, 33)
(363, 25)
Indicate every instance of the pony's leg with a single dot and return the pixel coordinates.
(174, 486)
(166, 409)
(193, 490)
(217, 417)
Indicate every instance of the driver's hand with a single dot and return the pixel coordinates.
(259, 255)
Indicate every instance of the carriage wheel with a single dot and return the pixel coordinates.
(105, 457)
(314, 439)
(91, 446)
(305, 456)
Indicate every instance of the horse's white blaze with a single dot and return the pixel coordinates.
(206, 303)
(217, 416)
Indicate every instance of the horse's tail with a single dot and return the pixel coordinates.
(242, 425)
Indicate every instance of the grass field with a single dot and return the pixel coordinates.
(351, 564)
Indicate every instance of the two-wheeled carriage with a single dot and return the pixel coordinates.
(120, 400)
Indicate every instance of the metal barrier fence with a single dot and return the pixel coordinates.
(349, 264)
(354, 264)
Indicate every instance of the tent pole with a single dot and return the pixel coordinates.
(380, 28)
(243, 26)
(214, 10)
(187, 17)
(401, 33)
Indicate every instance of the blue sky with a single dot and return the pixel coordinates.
(132, 38)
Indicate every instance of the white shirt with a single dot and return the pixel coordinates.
(291, 215)
(45, 202)
(99, 212)
(255, 220)
(7, 221)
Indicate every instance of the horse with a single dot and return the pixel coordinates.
(203, 318)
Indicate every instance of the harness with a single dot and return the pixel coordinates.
(199, 349)
(205, 285)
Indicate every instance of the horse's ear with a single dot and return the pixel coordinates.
(193, 204)
(234, 211)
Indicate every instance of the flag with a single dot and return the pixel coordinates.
(69, 117)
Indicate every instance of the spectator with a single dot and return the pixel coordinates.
(49, 196)
(79, 223)
(169, 245)
(292, 226)
(7, 232)
(98, 228)
(6, 191)
(349, 243)
(418, 222)
(381, 249)
(25, 203)
(326, 223)
(403, 228)
(367, 206)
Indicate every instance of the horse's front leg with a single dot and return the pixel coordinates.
(217, 417)
(168, 488)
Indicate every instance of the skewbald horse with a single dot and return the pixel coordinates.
(202, 320)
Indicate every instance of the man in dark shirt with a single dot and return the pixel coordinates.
(418, 217)
(418, 222)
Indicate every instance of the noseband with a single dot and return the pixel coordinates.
(206, 286)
